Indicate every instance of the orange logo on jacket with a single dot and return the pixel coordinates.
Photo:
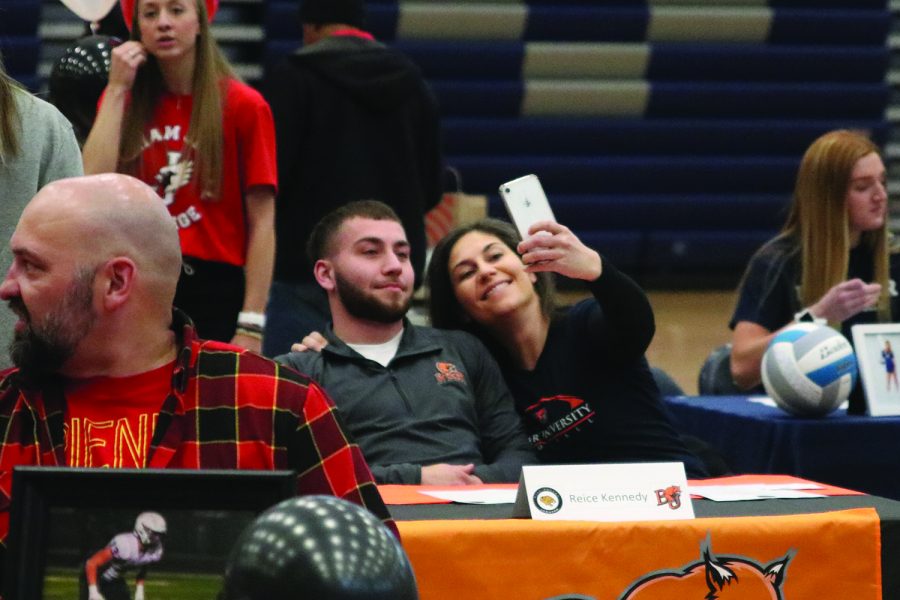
(714, 578)
(448, 372)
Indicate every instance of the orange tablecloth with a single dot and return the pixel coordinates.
(834, 555)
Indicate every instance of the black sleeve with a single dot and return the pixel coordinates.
(767, 296)
(400, 473)
(285, 91)
(620, 323)
(431, 162)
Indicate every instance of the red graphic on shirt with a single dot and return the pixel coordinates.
(447, 372)
(557, 416)
(111, 443)
(173, 176)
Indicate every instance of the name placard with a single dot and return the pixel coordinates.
(607, 492)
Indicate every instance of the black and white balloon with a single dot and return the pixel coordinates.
(318, 547)
(78, 78)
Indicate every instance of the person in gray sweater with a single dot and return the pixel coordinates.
(425, 405)
(37, 146)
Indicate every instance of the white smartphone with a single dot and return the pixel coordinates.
(526, 203)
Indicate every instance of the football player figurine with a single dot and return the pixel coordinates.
(102, 577)
(318, 547)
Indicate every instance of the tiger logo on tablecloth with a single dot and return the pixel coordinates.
(714, 578)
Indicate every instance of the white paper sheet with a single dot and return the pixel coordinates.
(506, 496)
(755, 491)
(767, 401)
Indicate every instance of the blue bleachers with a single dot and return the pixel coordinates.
(559, 136)
(667, 135)
(20, 54)
(19, 17)
(687, 100)
(19, 42)
(749, 62)
(599, 22)
(664, 210)
(491, 60)
(840, 27)
(628, 174)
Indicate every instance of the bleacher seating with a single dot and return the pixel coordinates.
(19, 42)
(666, 134)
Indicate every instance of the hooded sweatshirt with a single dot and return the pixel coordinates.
(354, 120)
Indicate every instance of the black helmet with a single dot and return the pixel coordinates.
(318, 547)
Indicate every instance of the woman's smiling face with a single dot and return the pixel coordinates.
(489, 279)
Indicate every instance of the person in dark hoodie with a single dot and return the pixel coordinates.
(354, 120)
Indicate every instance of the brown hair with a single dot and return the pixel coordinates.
(819, 219)
(204, 138)
(320, 239)
(9, 116)
(443, 307)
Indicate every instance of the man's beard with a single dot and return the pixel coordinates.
(41, 350)
(363, 305)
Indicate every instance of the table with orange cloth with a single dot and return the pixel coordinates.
(841, 546)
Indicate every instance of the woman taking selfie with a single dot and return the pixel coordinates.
(832, 260)
(175, 116)
(579, 376)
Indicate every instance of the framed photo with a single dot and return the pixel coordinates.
(63, 518)
(878, 355)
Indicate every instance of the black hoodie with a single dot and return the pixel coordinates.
(354, 120)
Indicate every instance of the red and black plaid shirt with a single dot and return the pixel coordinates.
(228, 409)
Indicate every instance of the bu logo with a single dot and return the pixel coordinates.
(670, 495)
(722, 578)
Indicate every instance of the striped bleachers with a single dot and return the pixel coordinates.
(667, 134)
(19, 42)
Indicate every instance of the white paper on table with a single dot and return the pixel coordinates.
(506, 496)
(767, 401)
(764, 400)
(755, 491)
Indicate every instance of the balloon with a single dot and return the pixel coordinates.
(78, 78)
(318, 547)
(90, 10)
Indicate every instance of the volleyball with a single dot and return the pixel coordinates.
(809, 369)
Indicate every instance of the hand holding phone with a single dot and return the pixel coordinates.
(526, 203)
(560, 251)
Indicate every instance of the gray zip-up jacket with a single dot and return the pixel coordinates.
(441, 399)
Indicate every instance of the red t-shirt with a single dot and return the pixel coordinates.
(211, 230)
(110, 420)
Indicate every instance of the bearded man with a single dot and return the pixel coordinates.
(425, 405)
(109, 375)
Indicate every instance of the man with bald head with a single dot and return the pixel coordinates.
(109, 375)
(95, 265)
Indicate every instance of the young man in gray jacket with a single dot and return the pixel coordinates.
(425, 405)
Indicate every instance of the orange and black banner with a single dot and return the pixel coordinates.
(834, 555)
